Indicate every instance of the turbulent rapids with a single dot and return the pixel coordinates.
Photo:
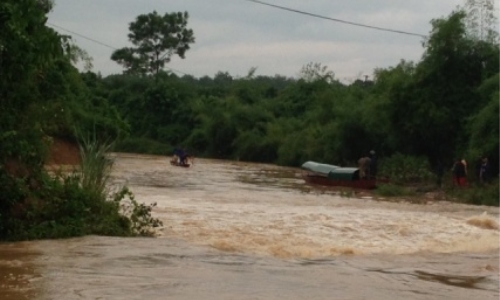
(236, 230)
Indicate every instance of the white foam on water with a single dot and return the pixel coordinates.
(210, 204)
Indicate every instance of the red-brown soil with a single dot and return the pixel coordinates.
(63, 152)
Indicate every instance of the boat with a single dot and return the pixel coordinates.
(332, 175)
(318, 168)
(178, 164)
(175, 161)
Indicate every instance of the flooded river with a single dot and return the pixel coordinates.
(251, 231)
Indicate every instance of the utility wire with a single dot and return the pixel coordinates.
(80, 35)
(270, 5)
(102, 44)
(337, 20)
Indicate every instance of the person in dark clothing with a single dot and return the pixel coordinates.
(459, 173)
(484, 170)
(182, 155)
(373, 164)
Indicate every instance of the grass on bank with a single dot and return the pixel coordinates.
(474, 193)
(95, 178)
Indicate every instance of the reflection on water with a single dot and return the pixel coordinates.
(251, 231)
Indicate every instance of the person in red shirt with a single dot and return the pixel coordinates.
(459, 173)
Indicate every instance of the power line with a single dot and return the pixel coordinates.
(102, 44)
(266, 4)
(337, 20)
(82, 36)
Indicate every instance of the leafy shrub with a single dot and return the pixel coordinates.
(480, 194)
(391, 190)
(94, 177)
(139, 214)
(81, 203)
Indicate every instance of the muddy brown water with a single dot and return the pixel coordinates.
(236, 230)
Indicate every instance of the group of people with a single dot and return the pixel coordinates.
(367, 166)
(460, 171)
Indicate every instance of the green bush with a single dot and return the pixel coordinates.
(81, 203)
(119, 206)
(478, 194)
(391, 190)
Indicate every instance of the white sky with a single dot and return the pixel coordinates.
(236, 35)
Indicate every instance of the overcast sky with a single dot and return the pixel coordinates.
(236, 35)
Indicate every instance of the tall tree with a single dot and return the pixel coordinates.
(156, 39)
(430, 112)
(315, 71)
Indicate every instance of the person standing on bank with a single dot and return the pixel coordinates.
(364, 167)
(484, 170)
(464, 162)
(459, 173)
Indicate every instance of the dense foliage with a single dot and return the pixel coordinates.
(44, 97)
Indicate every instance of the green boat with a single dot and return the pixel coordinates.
(331, 175)
(318, 168)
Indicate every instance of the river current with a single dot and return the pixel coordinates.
(235, 230)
